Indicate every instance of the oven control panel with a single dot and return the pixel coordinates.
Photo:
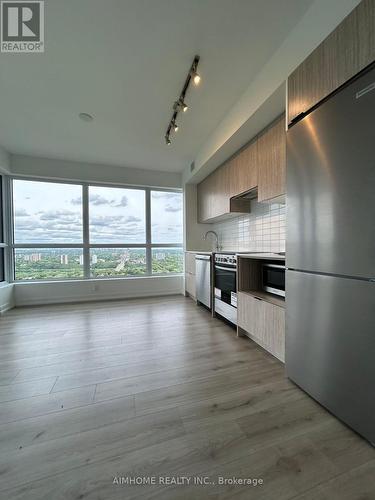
(230, 259)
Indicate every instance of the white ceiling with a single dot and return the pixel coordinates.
(125, 61)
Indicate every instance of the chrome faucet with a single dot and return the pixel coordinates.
(216, 237)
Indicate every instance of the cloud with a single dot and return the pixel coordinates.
(171, 208)
(60, 215)
(122, 203)
(76, 201)
(166, 195)
(21, 212)
(105, 220)
(131, 218)
(97, 199)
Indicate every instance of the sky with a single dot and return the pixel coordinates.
(52, 213)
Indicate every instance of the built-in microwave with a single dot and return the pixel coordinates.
(273, 278)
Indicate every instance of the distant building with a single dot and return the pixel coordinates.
(94, 259)
(35, 257)
(160, 256)
(81, 260)
(125, 257)
(64, 259)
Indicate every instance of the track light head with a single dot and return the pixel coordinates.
(183, 106)
(175, 126)
(196, 77)
(167, 140)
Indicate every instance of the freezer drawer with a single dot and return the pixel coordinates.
(330, 344)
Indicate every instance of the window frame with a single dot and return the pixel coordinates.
(2, 232)
(86, 246)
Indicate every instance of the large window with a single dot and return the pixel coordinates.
(2, 235)
(67, 231)
(117, 215)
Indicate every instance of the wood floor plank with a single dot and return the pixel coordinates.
(26, 389)
(36, 430)
(41, 405)
(91, 446)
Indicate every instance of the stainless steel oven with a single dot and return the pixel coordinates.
(225, 283)
(273, 278)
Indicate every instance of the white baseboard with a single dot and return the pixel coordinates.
(97, 298)
(39, 293)
(6, 307)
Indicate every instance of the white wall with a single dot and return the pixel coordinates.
(31, 166)
(7, 300)
(81, 291)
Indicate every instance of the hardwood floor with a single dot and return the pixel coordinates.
(156, 388)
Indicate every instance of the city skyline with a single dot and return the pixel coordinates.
(55, 263)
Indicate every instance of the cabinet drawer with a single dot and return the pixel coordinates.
(264, 322)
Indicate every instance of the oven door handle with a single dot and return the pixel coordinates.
(231, 269)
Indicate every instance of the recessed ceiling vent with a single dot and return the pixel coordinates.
(192, 166)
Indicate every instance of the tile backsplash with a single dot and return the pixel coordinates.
(262, 230)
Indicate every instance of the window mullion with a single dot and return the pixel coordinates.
(86, 231)
(8, 229)
(148, 232)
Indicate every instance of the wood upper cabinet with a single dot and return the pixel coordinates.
(345, 52)
(243, 170)
(261, 164)
(271, 159)
(214, 197)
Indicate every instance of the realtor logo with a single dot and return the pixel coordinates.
(22, 26)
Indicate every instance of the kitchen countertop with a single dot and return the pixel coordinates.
(265, 256)
(203, 252)
(246, 255)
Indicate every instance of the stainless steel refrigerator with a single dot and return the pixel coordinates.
(330, 255)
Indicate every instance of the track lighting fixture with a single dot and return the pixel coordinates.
(180, 104)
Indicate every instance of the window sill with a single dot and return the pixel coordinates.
(5, 284)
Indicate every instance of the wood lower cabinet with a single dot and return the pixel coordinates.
(343, 54)
(263, 322)
(190, 286)
(271, 160)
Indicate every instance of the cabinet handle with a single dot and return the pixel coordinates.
(257, 298)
